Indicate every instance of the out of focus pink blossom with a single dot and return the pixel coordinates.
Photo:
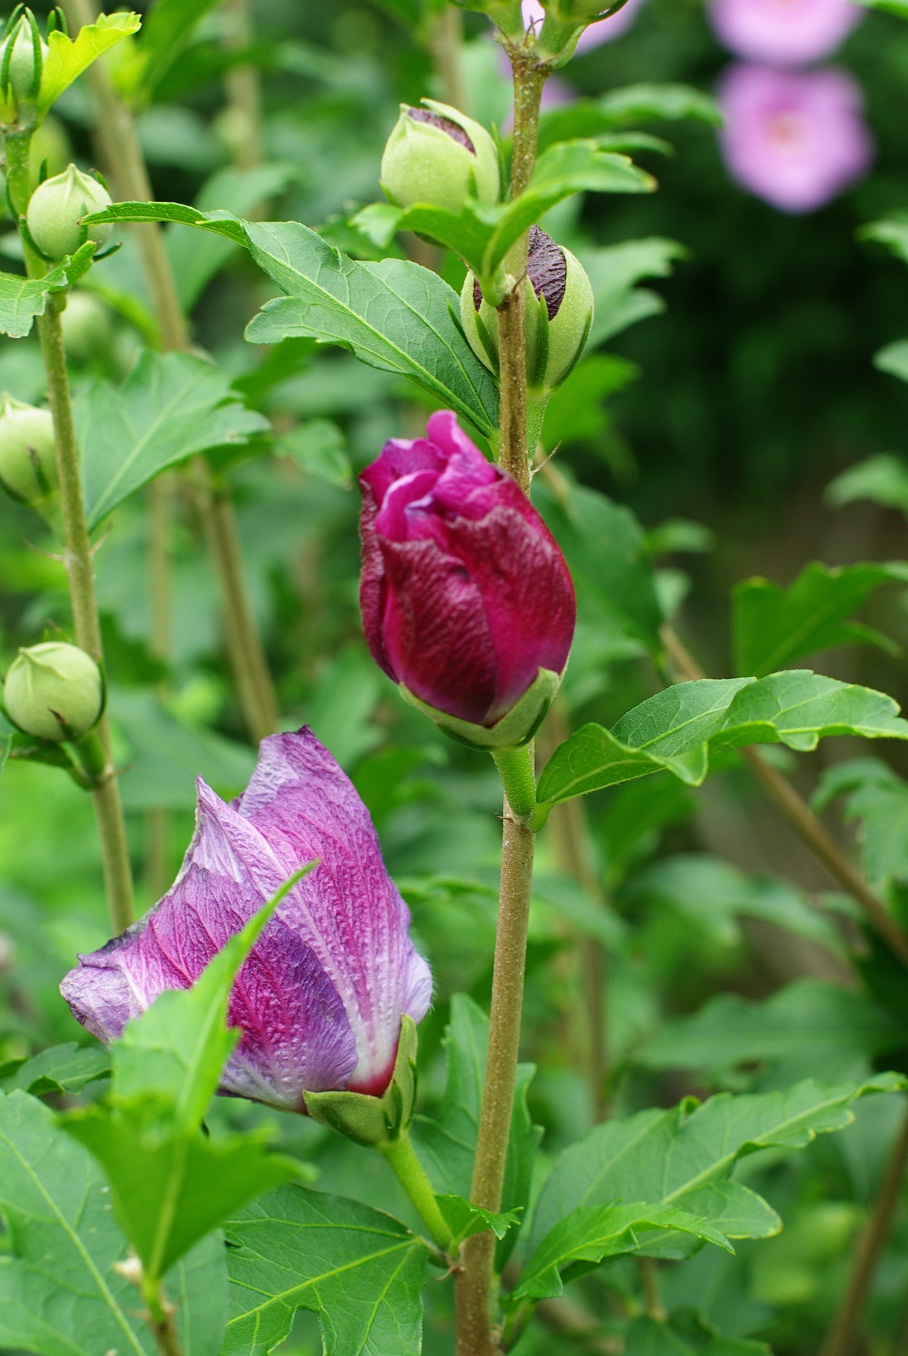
(783, 32)
(795, 139)
(603, 31)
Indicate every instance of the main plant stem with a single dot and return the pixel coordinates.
(839, 1342)
(77, 556)
(123, 154)
(475, 1286)
(804, 822)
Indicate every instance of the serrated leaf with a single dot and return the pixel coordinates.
(465, 1219)
(877, 797)
(810, 1024)
(361, 1271)
(883, 478)
(61, 1068)
(679, 1157)
(170, 407)
(592, 1233)
(675, 729)
(446, 1143)
(68, 57)
(54, 1198)
(773, 627)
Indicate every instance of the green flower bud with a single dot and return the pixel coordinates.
(374, 1121)
(440, 157)
(54, 691)
(28, 466)
(22, 58)
(56, 210)
(559, 314)
(87, 328)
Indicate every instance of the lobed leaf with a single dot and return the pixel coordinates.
(68, 57)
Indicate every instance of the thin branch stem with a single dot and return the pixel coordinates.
(401, 1156)
(244, 90)
(77, 555)
(161, 1319)
(803, 820)
(840, 1338)
(445, 43)
(649, 1280)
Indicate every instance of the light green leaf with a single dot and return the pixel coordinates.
(167, 29)
(877, 797)
(465, 1219)
(773, 626)
(892, 232)
(170, 407)
(675, 729)
(54, 1198)
(681, 1156)
(893, 359)
(221, 223)
(361, 1271)
(810, 1024)
(591, 1233)
(654, 103)
(393, 315)
(62, 1068)
(319, 448)
(21, 299)
(883, 478)
(67, 58)
(897, 7)
(614, 270)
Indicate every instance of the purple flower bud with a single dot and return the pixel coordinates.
(465, 594)
(320, 999)
(438, 157)
(783, 32)
(796, 139)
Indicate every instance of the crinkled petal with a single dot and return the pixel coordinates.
(347, 910)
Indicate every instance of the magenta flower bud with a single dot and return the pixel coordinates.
(321, 998)
(467, 601)
(794, 138)
(783, 32)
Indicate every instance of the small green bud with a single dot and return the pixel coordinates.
(28, 466)
(56, 210)
(54, 691)
(22, 58)
(87, 328)
(559, 313)
(439, 157)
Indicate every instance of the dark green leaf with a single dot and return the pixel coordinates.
(220, 222)
(166, 30)
(774, 627)
(613, 272)
(654, 103)
(685, 1156)
(62, 1068)
(810, 1024)
(685, 1334)
(675, 729)
(361, 1271)
(170, 407)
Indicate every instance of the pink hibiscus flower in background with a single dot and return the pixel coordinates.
(783, 32)
(795, 139)
(605, 30)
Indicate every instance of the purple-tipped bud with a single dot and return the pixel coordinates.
(559, 314)
(439, 157)
(321, 998)
(467, 601)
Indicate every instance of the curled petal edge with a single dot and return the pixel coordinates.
(515, 728)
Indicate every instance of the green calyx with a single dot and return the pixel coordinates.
(374, 1121)
(425, 163)
(515, 728)
(22, 58)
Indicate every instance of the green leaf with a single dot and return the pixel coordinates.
(54, 1199)
(773, 626)
(675, 729)
(21, 299)
(465, 1219)
(166, 31)
(883, 478)
(893, 359)
(897, 7)
(319, 448)
(714, 895)
(170, 407)
(61, 1068)
(221, 223)
(892, 232)
(625, 108)
(685, 1334)
(446, 1143)
(878, 800)
(67, 58)
(361, 1271)
(810, 1024)
(613, 272)
(576, 411)
(591, 1233)
(170, 1186)
(394, 315)
(685, 1156)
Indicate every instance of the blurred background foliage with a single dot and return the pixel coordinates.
(720, 419)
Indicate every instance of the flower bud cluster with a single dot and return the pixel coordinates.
(559, 313)
(54, 691)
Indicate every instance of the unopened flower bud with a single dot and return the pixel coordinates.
(28, 469)
(559, 313)
(54, 691)
(87, 328)
(22, 58)
(56, 210)
(440, 157)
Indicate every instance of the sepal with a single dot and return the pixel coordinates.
(515, 728)
(374, 1121)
